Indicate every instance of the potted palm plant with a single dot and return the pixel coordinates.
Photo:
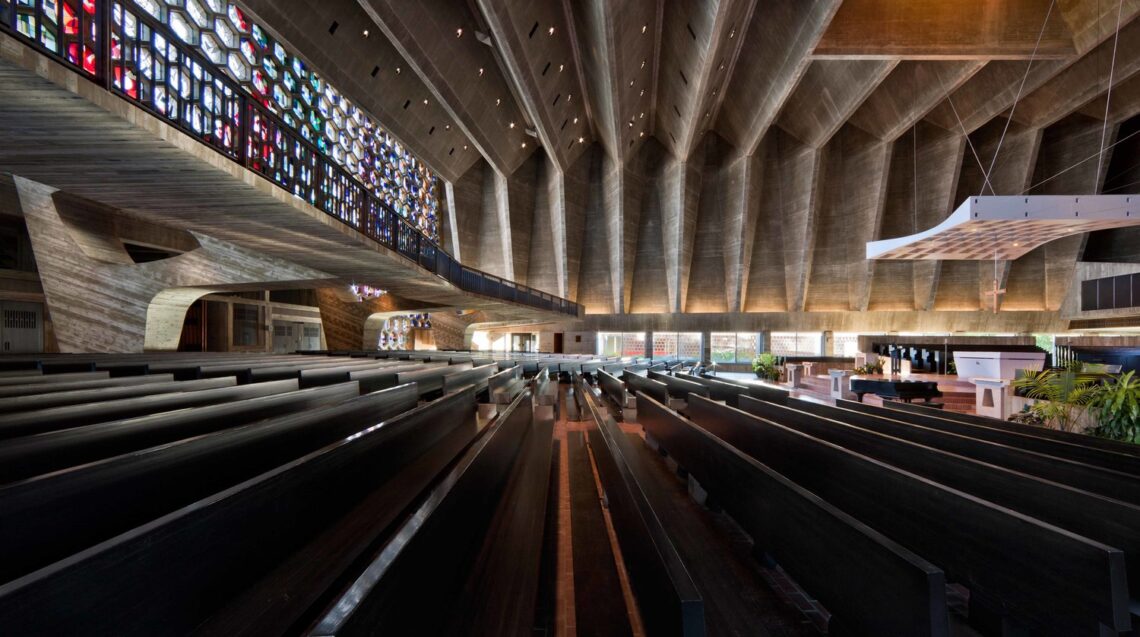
(766, 366)
(1062, 396)
(1116, 405)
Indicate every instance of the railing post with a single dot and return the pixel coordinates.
(103, 13)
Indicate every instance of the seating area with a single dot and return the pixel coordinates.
(898, 520)
(271, 495)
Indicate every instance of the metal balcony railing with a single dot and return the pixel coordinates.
(126, 51)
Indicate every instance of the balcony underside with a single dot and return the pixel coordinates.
(64, 131)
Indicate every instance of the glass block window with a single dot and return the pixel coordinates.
(689, 346)
(67, 28)
(796, 343)
(633, 344)
(723, 347)
(286, 86)
(845, 345)
(747, 346)
(664, 344)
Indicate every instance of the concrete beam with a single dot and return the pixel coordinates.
(935, 29)
(911, 90)
(777, 45)
(829, 93)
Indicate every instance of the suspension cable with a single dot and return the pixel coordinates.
(1108, 97)
(1012, 110)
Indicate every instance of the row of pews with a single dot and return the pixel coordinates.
(886, 515)
(333, 494)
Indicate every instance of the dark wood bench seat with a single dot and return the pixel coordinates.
(1047, 579)
(870, 584)
(50, 517)
(30, 456)
(275, 542)
(104, 394)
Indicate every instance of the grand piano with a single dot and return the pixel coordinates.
(904, 390)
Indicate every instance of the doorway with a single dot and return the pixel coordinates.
(21, 327)
(558, 343)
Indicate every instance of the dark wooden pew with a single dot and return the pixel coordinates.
(758, 390)
(679, 387)
(60, 399)
(13, 391)
(1105, 520)
(1112, 484)
(49, 517)
(257, 558)
(718, 390)
(870, 584)
(669, 601)
(598, 600)
(476, 377)
(1108, 446)
(651, 387)
(294, 370)
(382, 378)
(503, 387)
(29, 379)
(428, 377)
(322, 376)
(38, 421)
(1047, 579)
(501, 593)
(432, 561)
(612, 388)
(29, 456)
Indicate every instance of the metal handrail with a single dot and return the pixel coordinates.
(358, 207)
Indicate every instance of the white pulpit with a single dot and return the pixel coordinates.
(841, 383)
(795, 374)
(992, 397)
(996, 364)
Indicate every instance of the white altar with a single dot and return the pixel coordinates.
(996, 364)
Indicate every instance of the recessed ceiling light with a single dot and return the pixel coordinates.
(642, 116)
(569, 96)
(550, 31)
(581, 140)
(465, 147)
(631, 83)
(425, 102)
(498, 101)
(364, 33)
(524, 144)
(398, 70)
(480, 71)
(630, 124)
(644, 27)
(459, 33)
(642, 94)
(575, 120)
(641, 134)
(643, 64)
(560, 67)
(512, 125)
(447, 127)
(732, 34)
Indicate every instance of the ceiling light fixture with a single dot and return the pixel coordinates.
(512, 125)
(643, 64)
(524, 144)
(425, 102)
(498, 101)
(459, 33)
(560, 67)
(581, 140)
(575, 120)
(364, 33)
(480, 71)
(398, 70)
(550, 31)
(644, 27)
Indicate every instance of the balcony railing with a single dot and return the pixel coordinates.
(129, 53)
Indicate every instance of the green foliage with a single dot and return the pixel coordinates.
(951, 368)
(870, 368)
(1044, 341)
(1117, 408)
(1075, 366)
(765, 366)
(1063, 395)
